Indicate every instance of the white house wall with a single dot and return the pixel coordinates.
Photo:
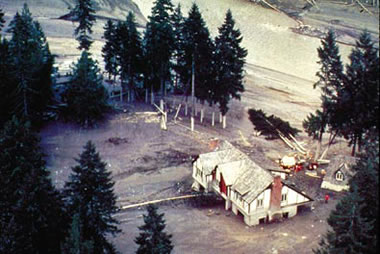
(293, 197)
(334, 187)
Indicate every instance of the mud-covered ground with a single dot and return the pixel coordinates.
(148, 163)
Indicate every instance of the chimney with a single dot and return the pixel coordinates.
(275, 196)
(213, 144)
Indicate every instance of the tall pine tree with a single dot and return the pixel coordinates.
(7, 87)
(158, 44)
(32, 219)
(109, 49)
(198, 55)
(85, 95)
(129, 52)
(354, 222)
(84, 11)
(2, 21)
(32, 66)
(360, 94)
(178, 65)
(330, 81)
(229, 62)
(91, 202)
(152, 238)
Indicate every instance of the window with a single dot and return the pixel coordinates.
(259, 203)
(284, 197)
(339, 176)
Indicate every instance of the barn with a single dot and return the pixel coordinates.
(246, 188)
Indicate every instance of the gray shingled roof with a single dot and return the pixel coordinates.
(252, 181)
(240, 172)
(342, 163)
(210, 160)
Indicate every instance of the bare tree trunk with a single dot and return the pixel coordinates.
(202, 113)
(224, 121)
(192, 93)
(146, 95)
(353, 147)
(151, 95)
(213, 119)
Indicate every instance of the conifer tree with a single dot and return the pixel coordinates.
(85, 96)
(152, 238)
(158, 43)
(230, 60)
(7, 87)
(85, 13)
(92, 202)
(2, 21)
(32, 66)
(130, 51)
(109, 50)
(360, 94)
(177, 24)
(198, 54)
(354, 222)
(31, 214)
(330, 81)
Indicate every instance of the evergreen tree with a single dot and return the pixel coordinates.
(360, 94)
(32, 66)
(152, 238)
(198, 55)
(177, 24)
(7, 87)
(230, 60)
(91, 202)
(85, 96)
(31, 215)
(158, 44)
(2, 21)
(109, 50)
(330, 81)
(75, 243)
(85, 13)
(354, 222)
(129, 51)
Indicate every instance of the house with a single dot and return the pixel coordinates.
(246, 188)
(338, 173)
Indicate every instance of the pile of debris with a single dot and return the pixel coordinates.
(117, 140)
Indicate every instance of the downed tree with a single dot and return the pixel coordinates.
(271, 126)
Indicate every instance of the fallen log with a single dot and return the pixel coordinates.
(364, 8)
(271, 6)
(158, 201)
(297, 143)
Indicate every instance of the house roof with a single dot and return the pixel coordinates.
(238, 170)
(230, 171)
(210, 160)
(252, 181)
(340, 163)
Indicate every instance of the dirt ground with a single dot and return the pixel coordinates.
(148, 164)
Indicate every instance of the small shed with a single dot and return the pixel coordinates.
(338, 173)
